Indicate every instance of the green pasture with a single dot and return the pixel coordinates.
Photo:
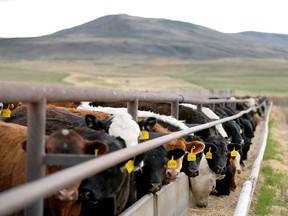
(273, 189)
(10, 74)
(245, 76)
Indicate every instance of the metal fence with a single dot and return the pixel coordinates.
(31, 195)
(244, 202)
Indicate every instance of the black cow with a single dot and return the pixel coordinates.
(121, 192)
(224, 186)
(213, 166)
(149, 178)
(191, 167)
(111, 180)
(237, 132)
(188, 115)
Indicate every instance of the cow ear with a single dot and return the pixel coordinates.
(176, 153)
(148, 123)
(210, 147)
(139, 159)
(232, 146)
(24, 144)
(94, 123)
(95, 148)
(196, 146)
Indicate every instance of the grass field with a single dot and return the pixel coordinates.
(245, 76)
(11, 74)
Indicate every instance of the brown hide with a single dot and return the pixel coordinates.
(13, 160)
(12, 155)
(171, 174)
(66, 104)
(196, 146)
(100, 115)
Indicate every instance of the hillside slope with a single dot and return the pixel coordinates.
(128, 36)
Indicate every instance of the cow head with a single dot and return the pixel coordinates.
(233, 131)
(122, 125)
(149, 179)
(68, 142)
(96, 124)
(192, 158)
(248, 128)
(176, 150)
(106, 184)
(147, 123)
(216, 154)
(103, 185)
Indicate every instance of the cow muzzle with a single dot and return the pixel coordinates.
(221, 170)
(171, 176)
(192, 173)
(67, 194)
(154, 187)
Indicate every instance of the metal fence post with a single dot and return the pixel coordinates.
(35, 150)
(175, 109)
(132, 107)
(199, 107)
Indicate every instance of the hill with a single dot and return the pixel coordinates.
(128, 36)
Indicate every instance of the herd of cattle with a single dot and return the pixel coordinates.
(210, 157)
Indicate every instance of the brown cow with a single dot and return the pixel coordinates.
(176, 149)
(13, 156)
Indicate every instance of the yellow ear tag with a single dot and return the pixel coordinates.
(6, 112)
(172, 164)
(209, 154)
(95, 152)
(191, 156)
(144, 134)
(129, 166)
(234, 153)
(241, 131)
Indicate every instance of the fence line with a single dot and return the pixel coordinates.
(16, 92)
(246, 195)
(25, 195)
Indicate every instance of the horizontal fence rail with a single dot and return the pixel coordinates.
(33, 93)
(245, 198)
(25, 195)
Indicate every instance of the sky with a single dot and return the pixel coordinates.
(33, 18)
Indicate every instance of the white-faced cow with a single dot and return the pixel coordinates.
(122, 124)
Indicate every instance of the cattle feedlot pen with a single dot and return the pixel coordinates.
(29, 194)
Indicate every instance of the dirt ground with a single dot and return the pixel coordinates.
(225, 205)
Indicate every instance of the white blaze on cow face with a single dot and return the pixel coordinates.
(122, 125)
(65, 132)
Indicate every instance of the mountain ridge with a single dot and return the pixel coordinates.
(115, 35)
